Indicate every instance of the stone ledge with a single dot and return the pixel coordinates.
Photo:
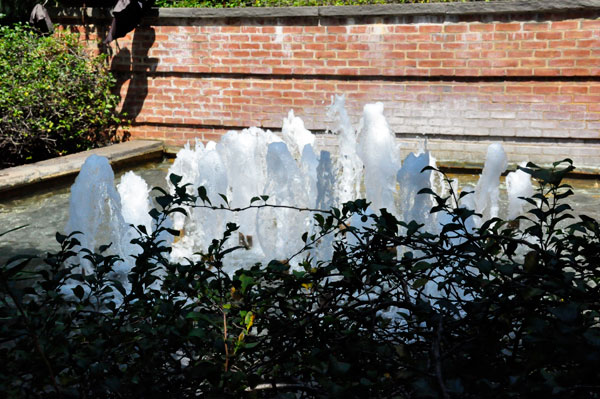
(18, 178)
(392, 10)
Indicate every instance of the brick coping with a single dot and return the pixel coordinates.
(492, 8)
(19, 179)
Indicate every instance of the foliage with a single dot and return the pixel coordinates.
(55, 97)
(495, 312)
(15, 10)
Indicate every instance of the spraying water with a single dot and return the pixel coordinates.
(379, 153)
(518, 184)
(95, 210)
(287, 169)
(487, 189)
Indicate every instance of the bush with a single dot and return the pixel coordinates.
(496, 312)
(55, 98)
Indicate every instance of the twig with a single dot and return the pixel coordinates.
(225, 341)
(438, 359)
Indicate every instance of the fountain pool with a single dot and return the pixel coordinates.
(46, 213)
(288, 169)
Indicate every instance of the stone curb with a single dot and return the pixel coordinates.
(391, 10)
(14, 180)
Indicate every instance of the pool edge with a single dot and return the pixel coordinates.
(22, 179)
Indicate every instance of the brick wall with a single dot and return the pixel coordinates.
(462, 75)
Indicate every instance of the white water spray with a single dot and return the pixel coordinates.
(255, 162)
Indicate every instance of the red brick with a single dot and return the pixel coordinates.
(430, 46)
(534, 45)
(589, 43)
(547, 54)
(573, 89)
(337, 46)
(578, 53)
(418, 37)
(456, 28)
(250, 46)
(282, 71)
(481, 27)
(561, 63)
(508, 27)
(260, 38)
(358, 63)
(337, 29)
(536, 26)
(336, 63)
(454, 63)
(493, 54)
(442, 54)
(480, 63)
(324, 54)
(406, 28)
(519, 53)
(405, 46)
(327, 87)
(575, 71)
(549, 35)
(504, 63)
(587, 62)
(548, 72)
(562, 44)
(406, 63)
(507, 45)
(269, 30)
(590, 24)
(354, 29)
(428, 97)
(230, 29)
(467, 72)
(564, 25)
(417, 54)
(393, 55)
(467, 54)
(358, 46)
(347, 54)
(441, 72)
(545, 90)
(454, 46)
(429, 63)
(430, 28)
(578, 34)
(519, 89)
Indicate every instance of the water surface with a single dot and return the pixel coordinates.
(46, 213)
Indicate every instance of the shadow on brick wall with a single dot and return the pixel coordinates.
(134, 66)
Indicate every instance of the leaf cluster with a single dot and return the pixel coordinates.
(55, 98)
(398, 312)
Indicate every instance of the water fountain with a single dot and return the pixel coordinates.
(256, 162)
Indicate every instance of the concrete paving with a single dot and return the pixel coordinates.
(17, 179)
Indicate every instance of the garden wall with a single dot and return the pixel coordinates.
(525, 73)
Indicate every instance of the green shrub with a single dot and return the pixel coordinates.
(55, 97)
(516, 314)
(16, 10)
